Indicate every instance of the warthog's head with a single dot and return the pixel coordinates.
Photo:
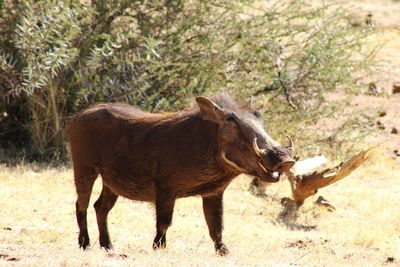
(242, 140)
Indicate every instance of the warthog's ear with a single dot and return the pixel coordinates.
(210, 110)
(249, 103)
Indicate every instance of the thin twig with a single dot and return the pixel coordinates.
(278, 65)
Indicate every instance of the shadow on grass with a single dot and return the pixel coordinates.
(289, 216)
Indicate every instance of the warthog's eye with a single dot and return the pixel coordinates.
(256, 114)
(231, 118)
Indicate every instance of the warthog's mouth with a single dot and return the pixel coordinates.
(270, 175)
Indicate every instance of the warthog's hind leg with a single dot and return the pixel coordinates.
(103, 205)
(84, 179)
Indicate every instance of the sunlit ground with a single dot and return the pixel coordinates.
(38, 227)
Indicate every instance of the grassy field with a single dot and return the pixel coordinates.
(38, 227)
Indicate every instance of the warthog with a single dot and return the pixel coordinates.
(164, 156)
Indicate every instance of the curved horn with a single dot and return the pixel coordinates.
(290, 142)
(256, 148)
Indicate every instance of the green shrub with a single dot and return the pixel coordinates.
(57, 57)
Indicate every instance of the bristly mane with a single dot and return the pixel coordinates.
(223, 100)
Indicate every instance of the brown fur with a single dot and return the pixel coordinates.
(160, 157)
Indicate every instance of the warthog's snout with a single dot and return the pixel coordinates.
(285, 165)
(276, 161)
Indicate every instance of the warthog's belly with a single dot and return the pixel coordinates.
(143, 188)
(132, 187)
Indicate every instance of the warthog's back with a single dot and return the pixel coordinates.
(93, 131)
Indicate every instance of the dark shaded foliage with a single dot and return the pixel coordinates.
(57, 57)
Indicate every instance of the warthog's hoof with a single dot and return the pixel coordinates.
(83, 241)
(105, 242)
(221, 249)
(106, 247)
(159, 242)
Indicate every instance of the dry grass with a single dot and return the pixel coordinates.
(38, 227)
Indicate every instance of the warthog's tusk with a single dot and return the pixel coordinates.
(262, 167)
(258, 151)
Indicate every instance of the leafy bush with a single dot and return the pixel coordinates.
(57, 57)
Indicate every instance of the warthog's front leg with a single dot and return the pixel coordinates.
(164, 209)
(213, 211)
